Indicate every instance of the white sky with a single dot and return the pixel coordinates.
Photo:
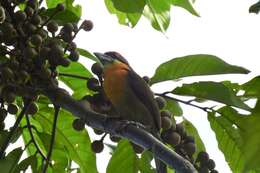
(225, 29)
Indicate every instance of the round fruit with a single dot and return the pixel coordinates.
(203, 170)
(166, 113)
(68, 28)
(87, 25)
(190, 148)
(36, 20)
(180, 129)
(211, 164)
(30, 52)
(161, 102)
(52, 26)
(189, 138)
(114, 138)
(98, 132)
(166, 123)
(29, 11)
(146, 79)
(12, 108)
(174, 139)
(78, 124)
(36, 40)
(74, 55)
(97, 69)
(97, 146)
(93, 84)
(32, 108)
(203, 157)
(20, 16)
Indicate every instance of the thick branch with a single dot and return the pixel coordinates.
(119, 128)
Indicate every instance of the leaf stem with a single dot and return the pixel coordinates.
(53, 132)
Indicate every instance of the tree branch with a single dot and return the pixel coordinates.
(53, 132)
(137, 135)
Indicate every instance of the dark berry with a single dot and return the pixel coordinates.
(36, 40)
(203, 157)
(161, 102)
(78, 124)
(97, 146)
(174, 139)
(52, 26)
(20, 16)
(29, 11)
(32, 109)
(211, 164)
(98, 132)
(74, 55)
(146, 79)
(68, 27)
(190, 148)
(93, 84)
(180, 129)
(12, 108)
(97, 69)
(166, 122)
(203, 170)
(189, 138)
(36, 20)
(87, 25)
(114, 138)
(166, 113)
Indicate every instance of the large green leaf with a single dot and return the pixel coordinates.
(76, 144)
(194, 65)
(77, 85)
(87, 54)
(211, 91)
(144, 163)
(24, 164)
(238, 138)
(9, 163)
(123, 159)
(70, 14)
(158, 12)
(129, 6)
(129, 17)
(252, 87)
(193, 132)
(174, 107)
(186, 5)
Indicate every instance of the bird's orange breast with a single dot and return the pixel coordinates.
(114, 81)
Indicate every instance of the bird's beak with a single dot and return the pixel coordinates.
(103, 58)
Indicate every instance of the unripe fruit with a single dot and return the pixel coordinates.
(78, 124)
(190, 148)
(12, 109)
(36, 40)
(180, 129)
(97, 146)
(65, 62)
(203, 157)
(189, 138)
(32, 108)
(174, 139)
(74, 55)
(97, 69)
(166, 123)
(68, 28)
(211, 164)
(93, 84)
(2, 14)
(36, 20)
(20, 16)
(161, 102)
(52, 26)
(87, 25)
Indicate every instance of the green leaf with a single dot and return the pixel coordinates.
(238, 138)
(23, 165)
(174, 107)
(9, 163)
(158, 12)
(255, 8)
(72, 13)
(211, 91)
(252, 87)
(77, 85)
(124, 18)
(194, 65)
(87, 54)
(186, 5)
(129, 6)
(193, 132)
(144, 163)
(76, 144)
(123, 159)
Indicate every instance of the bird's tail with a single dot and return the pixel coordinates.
(160, 166)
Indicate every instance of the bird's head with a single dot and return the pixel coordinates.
(111, 58)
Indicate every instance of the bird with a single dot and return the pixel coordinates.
(130, 95)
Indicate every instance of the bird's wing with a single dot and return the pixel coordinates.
(145, 95)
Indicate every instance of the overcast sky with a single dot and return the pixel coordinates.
(225, 29)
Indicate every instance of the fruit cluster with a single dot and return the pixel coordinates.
(32, 45)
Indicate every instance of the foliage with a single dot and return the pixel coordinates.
(238, 135)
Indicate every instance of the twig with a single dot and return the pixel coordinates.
(73, 75)
(206, 109)
(13, 129)
(53, 132)
(32, 137)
